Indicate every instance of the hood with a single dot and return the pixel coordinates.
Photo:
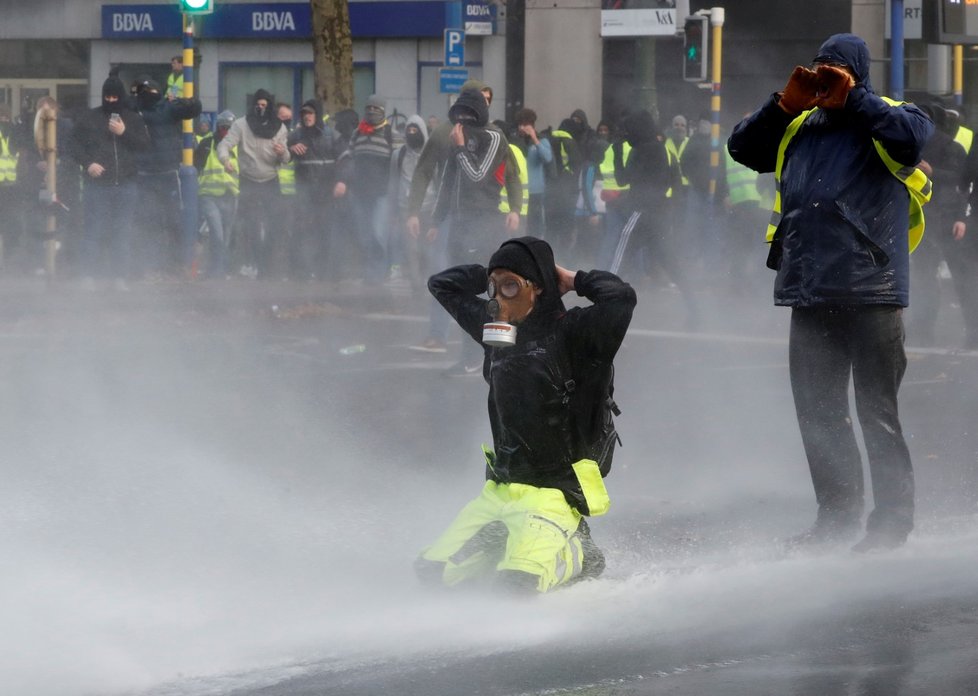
(639, 127)
(474, 102)
(416, 120)
(850, 50)
(263, 94)
(549, 302)
(317, 108)
(579, 115)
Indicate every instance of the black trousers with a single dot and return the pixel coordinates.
(826, 346)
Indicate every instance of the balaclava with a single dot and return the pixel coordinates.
(113, 87)
(414, 137)
(470, 109)
(376, 110)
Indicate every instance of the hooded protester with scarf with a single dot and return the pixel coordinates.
(370, 153)
(844, 161)
(526, 531)
(106, 142)
(260, 138)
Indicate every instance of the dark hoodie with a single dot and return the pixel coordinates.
(93, 143)
(318, 166)
(647, 171)
(264, 124)
(475, 171)
(530, 419)
(842, 238)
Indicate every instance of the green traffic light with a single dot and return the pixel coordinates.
(195, 4)
(691, 53)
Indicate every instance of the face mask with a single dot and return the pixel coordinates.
(374, 117)
(414, 139)
(511, 299)
(147, 100)
(259, 111)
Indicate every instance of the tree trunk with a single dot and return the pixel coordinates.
(332, 54)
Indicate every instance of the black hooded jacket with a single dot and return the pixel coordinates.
(93, 143)
(528, 410)
(647, 170)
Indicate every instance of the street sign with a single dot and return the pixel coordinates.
(454, 48)
(450, 80)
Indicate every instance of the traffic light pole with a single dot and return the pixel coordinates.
(188, 173)
(958, 74)
(716, 23)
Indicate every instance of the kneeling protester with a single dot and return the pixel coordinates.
(550, 373)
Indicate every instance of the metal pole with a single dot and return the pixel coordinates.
(958, 75)
(49, 124)
(716, 50)
(896, 49)
(188, 173)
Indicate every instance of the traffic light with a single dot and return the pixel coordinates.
(197, 6)
(696, 45)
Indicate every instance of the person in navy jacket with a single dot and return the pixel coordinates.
(840, 248)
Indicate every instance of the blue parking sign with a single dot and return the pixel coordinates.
(454, 48)
(450, 80)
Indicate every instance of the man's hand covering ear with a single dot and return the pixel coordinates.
(833, 86)
(801, 91)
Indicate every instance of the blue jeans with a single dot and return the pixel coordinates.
(109, 216)
(218, 212)
(374, 234)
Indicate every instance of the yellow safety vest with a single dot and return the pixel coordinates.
(741, 182)
(174, 85)
(524, 180)
(608, 167)
(286, 178)
(676, 153)
(214, 180)
(964, 137)
(8, 162)
(917, 183)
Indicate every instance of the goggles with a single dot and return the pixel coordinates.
(507, 288)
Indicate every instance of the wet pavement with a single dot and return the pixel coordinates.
(218, 488)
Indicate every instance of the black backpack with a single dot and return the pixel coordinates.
(591, 398)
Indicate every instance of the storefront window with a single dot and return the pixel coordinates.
(289, 83)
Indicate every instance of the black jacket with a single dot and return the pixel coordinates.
(164, 122)
(528, 410)
(93, 142)
(318, 166)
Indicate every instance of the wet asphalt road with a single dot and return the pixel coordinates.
(205, 493)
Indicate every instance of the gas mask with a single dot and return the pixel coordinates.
(511, 299)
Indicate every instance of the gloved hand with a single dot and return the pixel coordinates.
(833, 86)
(801, 91)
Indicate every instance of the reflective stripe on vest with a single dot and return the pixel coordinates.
(741, 182)
(677, 154)
(214, 179)
(8, 162)
(524, 179)
(608, 167)
(917, 183)
(286, 178)
(964, 137)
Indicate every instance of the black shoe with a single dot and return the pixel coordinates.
(460, 369)
(823, 533)
(880, 540)
(592, 565)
